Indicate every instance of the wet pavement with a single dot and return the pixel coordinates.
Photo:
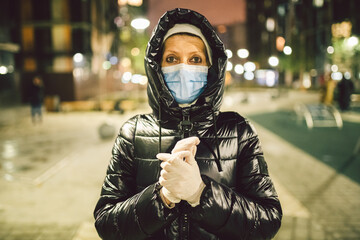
(51, 174)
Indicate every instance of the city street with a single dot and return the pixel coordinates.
(291, 68)
(51, 173)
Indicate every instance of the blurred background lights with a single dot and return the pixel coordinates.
(330, 49)
(313, 72)
(270, 24)
(229, 53)
(106, 65)
(239, 69)
(280, 43)
(78, 72)
(306, 80)
(318, 3)
(243, 53)
(113, 60)
(78, 57)
(136, 78)
(10, 68)
(266, 77)
(334, 68)
(118, 21)
(249, 66)
(249, 76)
(136, 3)
(270, 78)
(135, 51)
(273, 61)
(143, 80)
(352, 41)
(287, 50)
(347, 75)
(337, 76)
(125, 62)
(229, 66)
(140, 23)
(126, 77)
(3, 70)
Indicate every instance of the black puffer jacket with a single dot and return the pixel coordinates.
(239, 200)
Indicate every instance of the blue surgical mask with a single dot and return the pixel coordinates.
(185, 82)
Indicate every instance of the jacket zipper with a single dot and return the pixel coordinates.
(185, 125)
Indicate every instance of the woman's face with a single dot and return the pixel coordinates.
(182, 48)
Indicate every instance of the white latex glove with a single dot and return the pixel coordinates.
(187, 144)
(169, 196)
(180, 175)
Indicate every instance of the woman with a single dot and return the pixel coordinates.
(187, 171)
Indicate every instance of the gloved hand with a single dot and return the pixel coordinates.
(180, 175)
(187, 144)
(169, 196)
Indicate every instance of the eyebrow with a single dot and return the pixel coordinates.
(193, 52)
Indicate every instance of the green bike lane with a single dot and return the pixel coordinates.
(333, 146)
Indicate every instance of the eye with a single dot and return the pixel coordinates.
(171, 59)
(196, 60)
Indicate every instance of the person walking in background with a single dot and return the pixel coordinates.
(327, 93)
(187, 170)
(36, 99)
(345, 89)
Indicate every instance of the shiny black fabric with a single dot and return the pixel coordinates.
(239, 200)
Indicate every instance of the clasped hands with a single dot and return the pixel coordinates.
(180, 174)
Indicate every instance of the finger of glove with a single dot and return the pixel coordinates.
(172, 185)
(173, 167)
(185, 156)
(174, 159)
(173, 175)
(164, 156)
(186, 144)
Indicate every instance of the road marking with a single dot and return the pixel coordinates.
(51, 171)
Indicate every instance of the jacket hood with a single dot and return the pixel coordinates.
(160, 99)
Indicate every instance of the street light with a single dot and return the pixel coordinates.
(229, 66)
(140, 23)
(287, 50)
(243, 53)
(239, 69)
(229, 53)
(352, 41)
(3, 70)
(330, 49)
(273, 61)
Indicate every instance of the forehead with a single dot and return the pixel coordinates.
(179, 41)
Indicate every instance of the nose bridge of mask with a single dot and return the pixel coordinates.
(186, 77)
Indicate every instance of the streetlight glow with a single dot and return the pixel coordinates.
(229, 53)
(229, 66)
(287, 50)
(352, 41)
(330, 49)
(239, 69)
(249, 67)
(3, 70)
(78, 57)
(273, 61)
(140, 23)
(243, 53)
